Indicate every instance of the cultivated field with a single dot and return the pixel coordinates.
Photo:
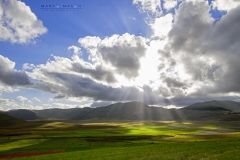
(120, 140)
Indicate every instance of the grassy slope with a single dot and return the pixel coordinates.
(109, 140)
(163, 150)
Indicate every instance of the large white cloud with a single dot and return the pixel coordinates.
(208, 51)
(69, 78)
(18, 24)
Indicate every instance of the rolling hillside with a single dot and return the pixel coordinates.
(211, 110)
(6, 120)
(119, 111)
(23, 114)
(140, 111)
(228, 105)
(56, 113)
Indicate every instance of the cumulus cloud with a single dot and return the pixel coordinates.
(226, 4)
(97, 72)
(169, 4)
(208, 51)
(162, 25)
(191, 24)
(76, 50)
(76, 66)
(115, 54)
(224, 47)
(7, 104)
(90, 44)
(120, 52)
(18, 24)
(150, 6)
(27, 66)
(9, 75)
(123, 52)
(7, 89)
(36, 99)
(21, 98)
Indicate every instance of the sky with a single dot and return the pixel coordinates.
(91, 53)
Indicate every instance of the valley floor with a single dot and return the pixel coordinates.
(120, 140)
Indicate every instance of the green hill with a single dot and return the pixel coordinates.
(129, 111)
(228, 105)
(6, 120)
(206, 108)
(211, 110)
(135, 111)
(56, 113)
(118, 111)
(23, 114)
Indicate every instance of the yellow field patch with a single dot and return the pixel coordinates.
(54, 125)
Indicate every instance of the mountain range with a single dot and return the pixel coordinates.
(210, 110)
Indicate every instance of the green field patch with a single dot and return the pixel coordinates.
(161, 150)
(209, 127)
(20, 144)
(89, 138)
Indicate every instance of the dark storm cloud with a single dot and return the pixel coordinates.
(9, 75)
